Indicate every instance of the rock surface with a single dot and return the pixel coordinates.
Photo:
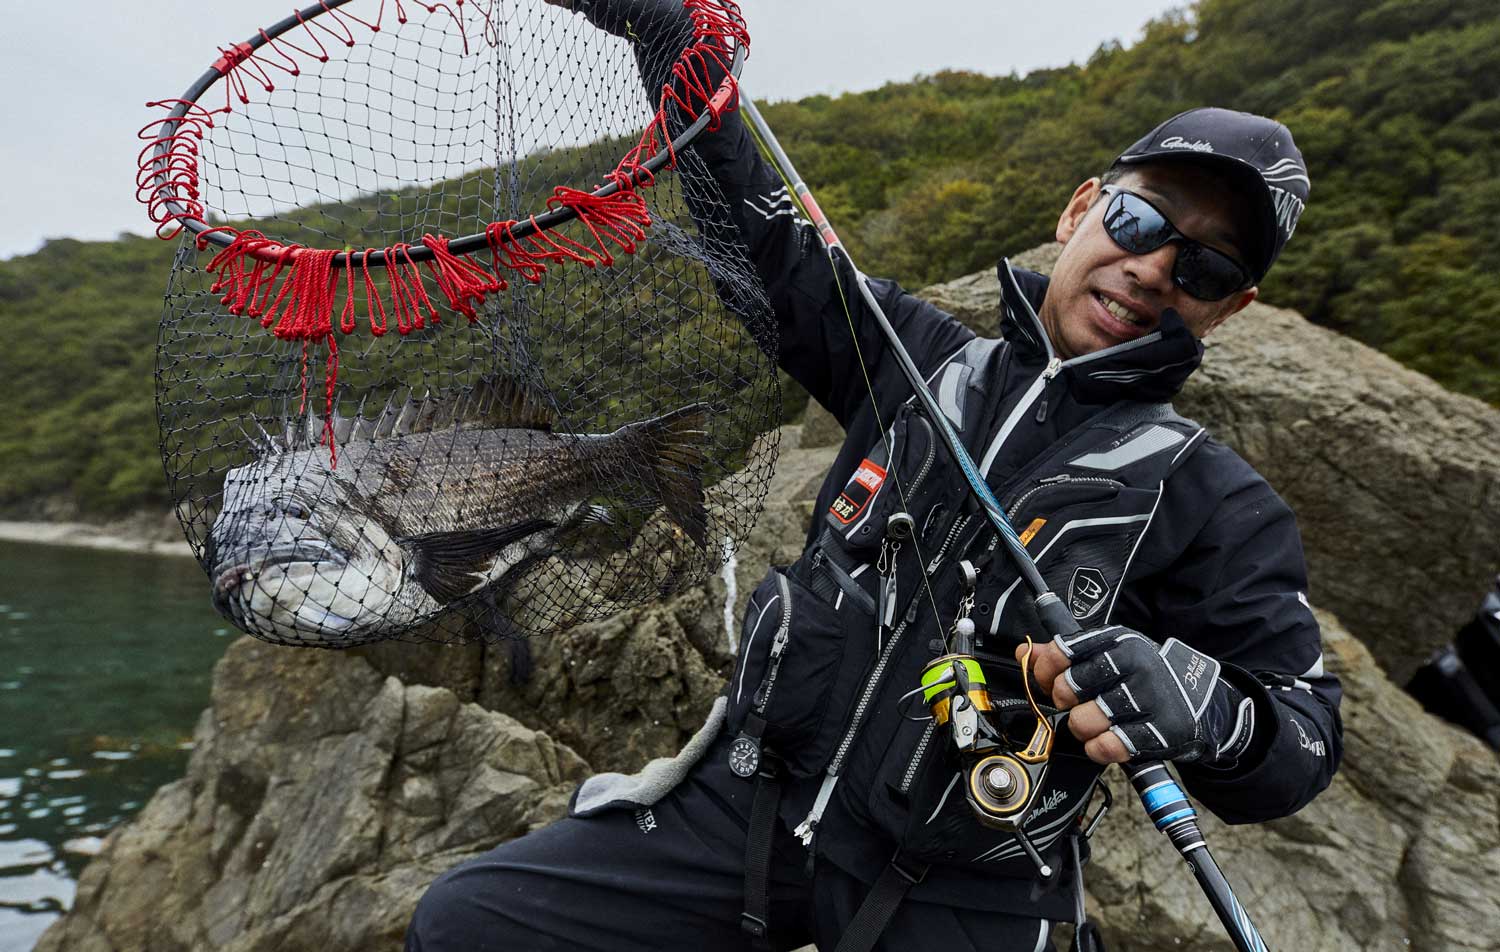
(326, 790)
(320, 799)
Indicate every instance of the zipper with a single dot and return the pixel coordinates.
(916, 758)
(809, 825)
(843, 580)
(1056, 481)
(778, 648)
(927, 461)
(1053, 366)
(953, 533)
(1037, 388)
(871, 685)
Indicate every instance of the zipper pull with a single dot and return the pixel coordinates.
(778, 644)
(1053, 367)
(809, 824)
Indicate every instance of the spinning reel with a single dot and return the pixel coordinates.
(1005, 767)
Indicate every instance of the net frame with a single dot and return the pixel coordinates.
(288, 286)
(291, 287)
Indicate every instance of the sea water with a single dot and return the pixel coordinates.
(105, 660)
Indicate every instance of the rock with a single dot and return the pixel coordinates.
(819, 428)
(320, 799)
(1395, 481)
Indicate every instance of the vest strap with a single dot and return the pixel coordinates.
(756, 919)
(880, 904)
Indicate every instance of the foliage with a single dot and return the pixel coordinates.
(1395, 104)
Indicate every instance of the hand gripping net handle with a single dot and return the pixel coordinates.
(167, 177)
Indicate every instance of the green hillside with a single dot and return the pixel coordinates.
(1396, 106)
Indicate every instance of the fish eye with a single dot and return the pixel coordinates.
(293, 508)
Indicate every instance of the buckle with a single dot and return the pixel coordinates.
(754, 925)
(913, 873)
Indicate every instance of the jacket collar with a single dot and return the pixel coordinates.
(1152, 368)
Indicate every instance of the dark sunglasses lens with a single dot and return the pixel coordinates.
(1137, 227)
(1207, 274)
(1134, 225)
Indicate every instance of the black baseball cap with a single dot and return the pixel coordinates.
(1255, 152)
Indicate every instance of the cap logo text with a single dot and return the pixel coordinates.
(1288, 209)
(1178, 142)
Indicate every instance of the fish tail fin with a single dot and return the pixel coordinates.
(675, 445)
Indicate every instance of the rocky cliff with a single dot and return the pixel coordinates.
(325, 790)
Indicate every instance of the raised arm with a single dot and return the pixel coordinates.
(816, 346)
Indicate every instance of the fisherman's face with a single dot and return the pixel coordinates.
(1095, 279)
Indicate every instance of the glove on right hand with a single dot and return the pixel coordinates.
(1166, 703)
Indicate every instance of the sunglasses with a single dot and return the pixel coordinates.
(1140, 228)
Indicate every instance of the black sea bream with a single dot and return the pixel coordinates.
(427, 503)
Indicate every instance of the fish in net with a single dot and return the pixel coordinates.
(460, 340)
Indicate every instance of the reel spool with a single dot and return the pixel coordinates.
(941, 684)
(1002, 785)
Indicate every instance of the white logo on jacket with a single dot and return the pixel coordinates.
(775, 205)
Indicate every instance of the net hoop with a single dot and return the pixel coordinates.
(294, 290)
(167, 176)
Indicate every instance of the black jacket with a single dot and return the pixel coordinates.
(1219, 565)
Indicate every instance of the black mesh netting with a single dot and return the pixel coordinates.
(588, 441)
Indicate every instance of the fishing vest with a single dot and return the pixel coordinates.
(832, 647)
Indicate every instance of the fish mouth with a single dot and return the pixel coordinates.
(248, 566)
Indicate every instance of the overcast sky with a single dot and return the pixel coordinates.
(77, 76)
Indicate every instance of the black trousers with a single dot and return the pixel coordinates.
(671, 877)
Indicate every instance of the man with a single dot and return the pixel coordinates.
(819, 804)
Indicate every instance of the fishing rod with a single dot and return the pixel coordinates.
(1164, 801)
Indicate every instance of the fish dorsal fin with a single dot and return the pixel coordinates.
(501, 401)
(495, 402)
(450, 565)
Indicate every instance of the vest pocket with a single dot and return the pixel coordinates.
(884, 484)
(798, 672)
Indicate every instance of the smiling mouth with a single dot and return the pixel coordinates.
(1122, 313)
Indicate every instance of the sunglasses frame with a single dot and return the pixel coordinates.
(1114, 192)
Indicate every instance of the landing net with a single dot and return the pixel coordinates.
(458, 342)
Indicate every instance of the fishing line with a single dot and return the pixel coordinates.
(863, 368)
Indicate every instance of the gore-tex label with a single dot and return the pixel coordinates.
(862, 487)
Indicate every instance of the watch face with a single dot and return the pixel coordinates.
(744, 757)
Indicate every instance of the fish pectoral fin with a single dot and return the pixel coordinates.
(451, 564)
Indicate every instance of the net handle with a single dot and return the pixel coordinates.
(163, 159)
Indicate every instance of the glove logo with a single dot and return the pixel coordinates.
(1087, 591)
(1314, 747)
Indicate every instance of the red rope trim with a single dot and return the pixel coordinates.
(292, 290)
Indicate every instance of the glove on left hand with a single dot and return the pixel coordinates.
(1165, 703)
